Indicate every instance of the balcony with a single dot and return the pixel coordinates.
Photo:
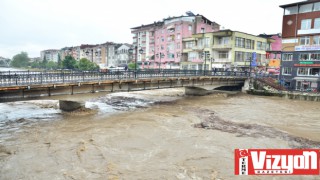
(223, 60)
(222, 46)
(198, 48)
(308, 31)
(196, 60)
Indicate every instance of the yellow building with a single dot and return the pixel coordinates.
(223, 50)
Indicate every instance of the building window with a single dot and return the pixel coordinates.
(259, 45)
(178, 36)
(305, 40)
(162, 39)
(203, 30)
(317, 23)
(178, 46)
(316, 40)
(190, 27)
(291, 10)
(189, 45)
(303, 71)
(287, 57)
(241, 56)
(192, 56)
(178, 54)
(240, 42)
(223, 54)
(248, 43)
(304, 57)
(286, 71)
(206, 42)
(305, 8)
(306, 24)
(162, 48)
(223, 40)
(314, 71)
(316, 6)
(315, 57)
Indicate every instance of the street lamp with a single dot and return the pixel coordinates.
(205, 54)
(135, 61)
(211, 61)
(87, 53)
(160, 55)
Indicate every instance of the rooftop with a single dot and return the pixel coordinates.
(299, 3)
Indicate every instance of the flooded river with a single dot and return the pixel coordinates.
(158, 134)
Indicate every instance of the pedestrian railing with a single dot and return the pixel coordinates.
(17, 78)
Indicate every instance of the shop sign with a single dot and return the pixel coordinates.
(307, 48)
(306, 62)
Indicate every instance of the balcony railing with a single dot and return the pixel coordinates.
(222, 46)
(308, 31)
(223, 60)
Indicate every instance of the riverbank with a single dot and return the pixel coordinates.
(287, 95)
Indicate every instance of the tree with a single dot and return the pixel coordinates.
(44, 62)
(86, 65)
(69, 62)
(59, 61)
(52, 65)
(35, 64)
(133, 66)
(20, 60)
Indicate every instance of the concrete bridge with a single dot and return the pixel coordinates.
(30, 85)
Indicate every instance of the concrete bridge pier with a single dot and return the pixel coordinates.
(196, 91)
(70, 105)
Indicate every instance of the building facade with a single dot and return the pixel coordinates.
(224, 50)
(50, 55)
(273, 55)
(161, 41)
(122, 55)
(300, 62)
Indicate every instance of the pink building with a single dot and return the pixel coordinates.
(161, 41)
(273, 53)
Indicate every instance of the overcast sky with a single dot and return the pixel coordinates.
(35, 25)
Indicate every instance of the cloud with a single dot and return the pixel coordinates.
(50, 24)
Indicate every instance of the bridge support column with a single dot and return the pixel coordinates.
(196, 91)
(49, 91)
(70, 105)
(71, 90)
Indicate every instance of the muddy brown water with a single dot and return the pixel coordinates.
(180, 138)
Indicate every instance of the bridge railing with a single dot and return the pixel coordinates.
(18, 78)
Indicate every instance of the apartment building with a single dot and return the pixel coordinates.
(224, 49)
(300, 65)
(161, 41)
(50, 55)
(122, 55)
(70, 51)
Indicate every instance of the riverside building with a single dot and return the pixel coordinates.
(161, 41)
(300, 62)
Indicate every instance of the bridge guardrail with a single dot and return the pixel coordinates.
(19, 78)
